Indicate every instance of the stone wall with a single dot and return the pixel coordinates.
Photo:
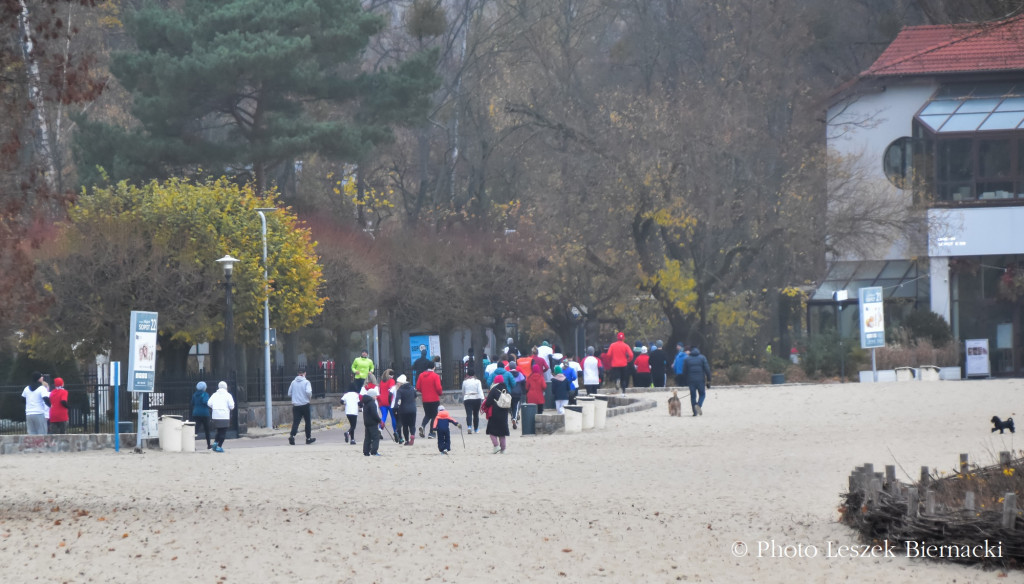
(551, 422)
(23, 443)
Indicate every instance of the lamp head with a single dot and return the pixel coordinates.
(228, 263)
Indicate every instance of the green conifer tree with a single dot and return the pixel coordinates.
(239, 86)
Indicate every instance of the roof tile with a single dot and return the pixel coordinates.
(930, 49)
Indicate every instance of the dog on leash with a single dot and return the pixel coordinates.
(675, 407)
(1001, 425)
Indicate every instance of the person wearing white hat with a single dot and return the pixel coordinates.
(405, 406)
(221, 403)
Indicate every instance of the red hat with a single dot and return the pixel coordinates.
(620, 336)
(58, 382)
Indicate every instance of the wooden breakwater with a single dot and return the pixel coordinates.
(968, 516)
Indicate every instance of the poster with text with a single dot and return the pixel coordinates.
(872, 318)
(142, 351)
(977, 362)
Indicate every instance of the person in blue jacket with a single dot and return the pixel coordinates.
(201, 411)
(677, 364)
(696, 371)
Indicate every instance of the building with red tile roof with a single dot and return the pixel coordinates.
(936, 123)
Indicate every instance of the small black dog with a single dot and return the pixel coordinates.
(1001, 425)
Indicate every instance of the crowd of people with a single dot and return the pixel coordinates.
(504, 383)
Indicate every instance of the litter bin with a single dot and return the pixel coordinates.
(125, 427)
(529, 419)
(588, 407)
(169, 431)
(600, 413)
(188, 437)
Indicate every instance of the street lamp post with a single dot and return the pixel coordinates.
(840, 296)
(266, 319)
(228, 263)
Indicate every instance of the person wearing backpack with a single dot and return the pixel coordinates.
(201, 411)
(499, 401)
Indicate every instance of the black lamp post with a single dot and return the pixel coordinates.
(228, 263)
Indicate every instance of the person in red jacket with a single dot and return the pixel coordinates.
(428, 384)
(642, 369)
(620, 356)
(58, 408)
(535, 386)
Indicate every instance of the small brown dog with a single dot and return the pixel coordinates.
(675, 408)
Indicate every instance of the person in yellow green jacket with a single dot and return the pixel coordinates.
(361, 367)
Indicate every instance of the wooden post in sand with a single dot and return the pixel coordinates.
(1005, 459)
(969, 500)
(912, 502)
(963, 464)
(929, 502)
(890, 479)
(874, 488)
(1009, 510)
(926, 477)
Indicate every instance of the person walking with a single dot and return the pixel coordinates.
(429, 386)
(497, 423)
(201, 411)
(518, 392)
(387, 397)
(351, 401)
(440, 428)
(620, 356)
(301, 391)
(695, 371)
(659, 362)
(221, 403)
(405, 405)
(642, 369)
(361, 368)
(372, 423)
(560, 389)
(37, 400)
(677, 364)
(592, 372)
(535, 386)
(58, 408)
(472, 398)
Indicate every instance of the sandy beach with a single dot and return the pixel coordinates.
(649, 499)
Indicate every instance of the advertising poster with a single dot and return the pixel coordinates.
(977, 363)
(431, 342)
(872, 318)
(142, 351)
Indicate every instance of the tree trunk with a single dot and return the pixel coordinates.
(35, 96)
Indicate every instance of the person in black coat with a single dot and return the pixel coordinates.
(372, 423)
(497, 423)
(659, 364)
(405, 406)
(695, 371)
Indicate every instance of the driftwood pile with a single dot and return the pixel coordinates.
(970, 516)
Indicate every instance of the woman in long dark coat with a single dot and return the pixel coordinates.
(497, 423)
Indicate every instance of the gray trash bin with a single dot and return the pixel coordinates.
(529, 419)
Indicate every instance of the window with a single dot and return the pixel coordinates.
(896, 162)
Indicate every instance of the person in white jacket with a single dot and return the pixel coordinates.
(221, 403)
(472, 397)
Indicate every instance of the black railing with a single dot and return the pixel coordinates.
(90, 405)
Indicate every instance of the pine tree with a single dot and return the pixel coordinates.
(239, 86)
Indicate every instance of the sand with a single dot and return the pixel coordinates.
(649, 499)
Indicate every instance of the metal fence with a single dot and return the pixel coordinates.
(91, 405)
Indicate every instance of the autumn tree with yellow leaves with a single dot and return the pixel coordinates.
(153, 247)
